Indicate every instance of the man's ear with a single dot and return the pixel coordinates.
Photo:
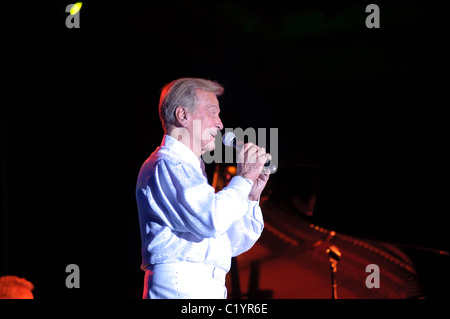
(181, 115)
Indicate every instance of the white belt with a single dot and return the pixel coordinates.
(191, 267)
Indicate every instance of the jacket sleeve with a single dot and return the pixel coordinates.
(180, 197)
(246, 231)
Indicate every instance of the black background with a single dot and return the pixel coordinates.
(79, 117)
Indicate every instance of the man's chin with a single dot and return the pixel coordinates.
(209, 147)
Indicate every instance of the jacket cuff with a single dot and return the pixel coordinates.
(243, 184)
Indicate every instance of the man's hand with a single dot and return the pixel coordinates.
(258, 186)
(251, 160)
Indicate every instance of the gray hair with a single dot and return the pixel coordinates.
(182, 92)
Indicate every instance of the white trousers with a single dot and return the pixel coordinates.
(184, 280)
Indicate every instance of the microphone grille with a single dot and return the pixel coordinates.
(228, 138)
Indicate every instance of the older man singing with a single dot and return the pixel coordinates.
(189, 232)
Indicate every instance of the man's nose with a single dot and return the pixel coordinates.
(219, 125)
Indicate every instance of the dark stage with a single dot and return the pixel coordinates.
(358, 112)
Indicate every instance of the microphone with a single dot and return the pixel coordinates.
(230, 139)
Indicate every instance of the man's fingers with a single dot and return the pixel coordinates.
(253, 154)
(248, 152)
(263, 156)
(264, 177)
(246, 147)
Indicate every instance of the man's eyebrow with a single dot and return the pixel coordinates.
(214, 106)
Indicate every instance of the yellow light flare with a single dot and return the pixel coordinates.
(75, 8)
